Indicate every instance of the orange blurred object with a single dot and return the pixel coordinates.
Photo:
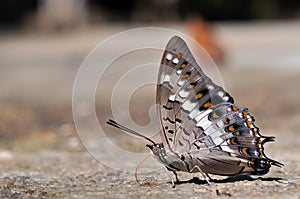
(203, 34)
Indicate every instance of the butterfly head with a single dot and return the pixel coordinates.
(155, 148)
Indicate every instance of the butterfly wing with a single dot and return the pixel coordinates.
(183, 91)
(199, 117)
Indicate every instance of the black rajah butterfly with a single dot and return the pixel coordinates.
(202, 130)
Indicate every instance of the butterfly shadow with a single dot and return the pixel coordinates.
(196, 180)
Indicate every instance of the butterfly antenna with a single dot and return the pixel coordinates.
(119, 126)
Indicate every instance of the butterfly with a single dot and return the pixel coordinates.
(202, 129)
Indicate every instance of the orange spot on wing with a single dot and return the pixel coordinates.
(179, 56)
(245, 150)
(255, 133)
(245, 114)
(207, 105)
(249, 123)
(183, 65)
(199, 95)
(252, 162)
(231, 128)
(258, 142)
(215, 115)
(261, 155)
(226, 120)
(191, 86)
(237, 133)
(233, 140)
(235, 108)
(186, 76)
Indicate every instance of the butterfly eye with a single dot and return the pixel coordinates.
(155, 149)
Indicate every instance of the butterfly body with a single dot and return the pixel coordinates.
(192, 162)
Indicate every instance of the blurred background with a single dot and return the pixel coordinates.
(255, 44)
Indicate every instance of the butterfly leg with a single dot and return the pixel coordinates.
(205, 175)
(177, 180)
(172, 180)
(210, 179)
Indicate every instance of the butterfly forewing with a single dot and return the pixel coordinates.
(184, 92)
